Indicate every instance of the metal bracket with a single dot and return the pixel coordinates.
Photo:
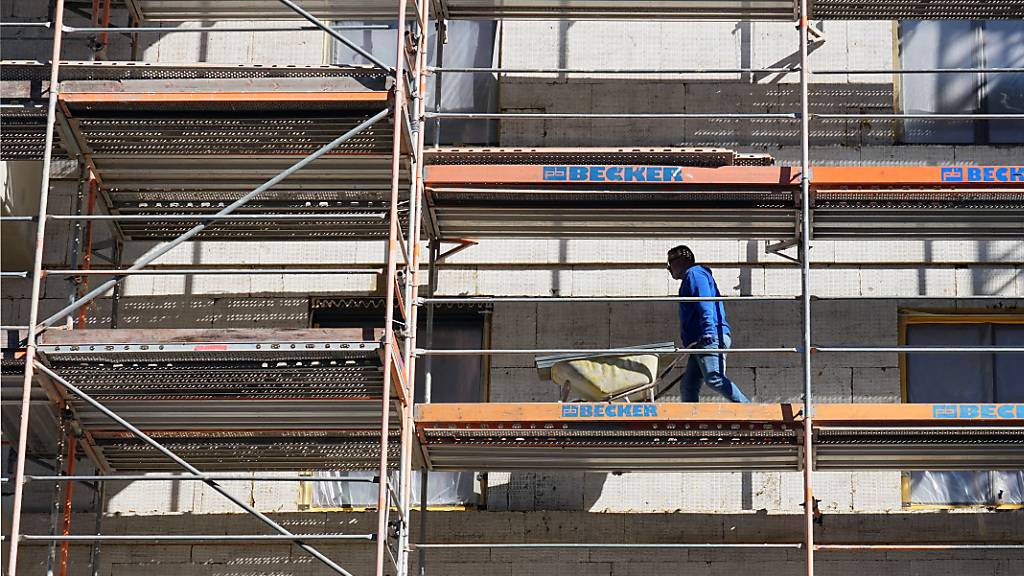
(463, 243)
(778, 247)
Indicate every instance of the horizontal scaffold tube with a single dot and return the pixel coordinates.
(191, 537)
(209, 271)
(203, 478)
(491, 352)
(528, 545)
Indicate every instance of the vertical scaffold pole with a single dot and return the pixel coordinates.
(33, 315)
(383, 506)
(805, 290)
(412, 291)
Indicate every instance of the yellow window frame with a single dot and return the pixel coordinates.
(908, 317)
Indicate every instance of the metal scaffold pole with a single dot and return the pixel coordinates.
(37, 267)
(805, 290)
(390, 340)
(412, 284)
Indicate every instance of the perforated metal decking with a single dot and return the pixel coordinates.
(588, 9)
(228, 399)
(672, 436)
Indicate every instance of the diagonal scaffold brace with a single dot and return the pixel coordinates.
(338, 36)
(297, 539)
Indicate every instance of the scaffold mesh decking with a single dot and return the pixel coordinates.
(174, 153)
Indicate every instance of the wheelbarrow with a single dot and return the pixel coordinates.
(610, 378)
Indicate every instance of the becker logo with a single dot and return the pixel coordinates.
(982, 174)
(633, 410)
(614, 173)
(979, 411)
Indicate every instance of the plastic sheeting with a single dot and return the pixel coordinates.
(962, 44)
(474, 48)
(971, 378)
(443, 489)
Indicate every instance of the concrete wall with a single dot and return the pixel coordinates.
(282, 559)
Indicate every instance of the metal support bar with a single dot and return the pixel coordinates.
(919, 116)
(226, 217)
(99, 503)
(923, 349)
(208, 271)
(281, 530)
(545, 299)
(340, 38)
(192, 537)
(918, 71)
(157, 29)
(587, 351)
(805, 287)
(196, 217)
(915, 547)
(623, 115)
(162, 249)
(200, 478)
(638, 71)
(58, 488)
(666, 545)
(391, 275)
(37, 266)
(428, 339)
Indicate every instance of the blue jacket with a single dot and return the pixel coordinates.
(697, 319)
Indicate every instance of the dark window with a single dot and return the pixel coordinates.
(454, 379)
(962, 44)
(965, 378)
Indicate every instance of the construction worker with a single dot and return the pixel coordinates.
(702, 326)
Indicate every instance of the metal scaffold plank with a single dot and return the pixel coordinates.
(688, 436)
(233, 399)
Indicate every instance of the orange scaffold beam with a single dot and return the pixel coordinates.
(825, 414)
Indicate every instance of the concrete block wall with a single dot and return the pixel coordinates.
(283, 559)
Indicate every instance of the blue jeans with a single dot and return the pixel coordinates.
(709, 369)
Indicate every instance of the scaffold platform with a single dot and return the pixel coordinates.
(230, 399)
(705, 193)
(166, 141)
(604, 437)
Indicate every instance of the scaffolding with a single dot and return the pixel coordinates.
(301, 153)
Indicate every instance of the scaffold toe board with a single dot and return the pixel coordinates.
(673, 436)
(568, 197)
(315, 387)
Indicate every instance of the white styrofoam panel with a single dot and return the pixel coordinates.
(987, 281)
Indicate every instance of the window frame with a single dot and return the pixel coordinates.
(908, 317)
